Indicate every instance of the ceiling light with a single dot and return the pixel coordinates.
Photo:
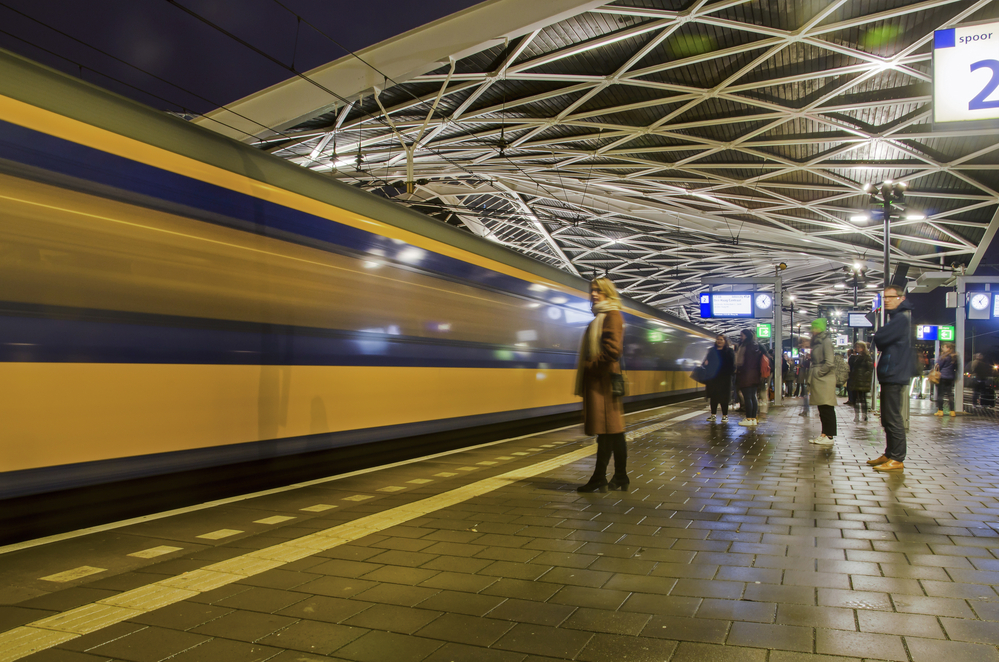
(839, 286)
(860, 218)
(915, 217)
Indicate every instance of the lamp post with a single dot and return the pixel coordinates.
(889, 196)
(791, 326)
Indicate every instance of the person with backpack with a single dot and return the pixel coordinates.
(747, 375)
(860, 380)
(980, 372)
(895, 369)
(947, 366)
(822, 381)
(766, 375)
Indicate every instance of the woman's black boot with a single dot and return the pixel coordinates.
(598, 482)
(620, 480)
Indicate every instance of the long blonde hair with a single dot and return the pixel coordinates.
(607, 288)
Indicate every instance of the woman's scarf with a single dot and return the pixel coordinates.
(589, 345)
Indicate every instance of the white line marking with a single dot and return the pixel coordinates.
(75, 573)
(218, 535)
(277, 519)
(318, 508)
(153, 552)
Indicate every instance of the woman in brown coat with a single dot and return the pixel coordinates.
(599, 359)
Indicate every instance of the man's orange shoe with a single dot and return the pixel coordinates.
(890, 465)
(878, 460)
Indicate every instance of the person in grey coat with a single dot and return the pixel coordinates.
(822, 381)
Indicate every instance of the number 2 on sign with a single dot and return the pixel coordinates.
(979, 102)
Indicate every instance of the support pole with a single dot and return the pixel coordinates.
(959, 316)
(779, 344)
(854, 307)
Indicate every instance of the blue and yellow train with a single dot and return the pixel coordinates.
(171, 300)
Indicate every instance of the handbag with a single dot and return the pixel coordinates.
(934, 376)
(699, 375)
(617, 385)
(617, 380)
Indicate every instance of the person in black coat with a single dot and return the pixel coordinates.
(894, 368)
(719, 365)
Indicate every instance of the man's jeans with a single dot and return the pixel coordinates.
(891, 420)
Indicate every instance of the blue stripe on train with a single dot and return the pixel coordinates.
(40, 150)
(55, 340)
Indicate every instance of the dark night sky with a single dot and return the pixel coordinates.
(162, 39)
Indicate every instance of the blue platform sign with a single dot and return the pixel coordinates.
(926, 332)
(706, 305)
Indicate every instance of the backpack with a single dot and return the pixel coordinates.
(764, 366)
(915, 361)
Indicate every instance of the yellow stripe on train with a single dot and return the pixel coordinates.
(65, 413)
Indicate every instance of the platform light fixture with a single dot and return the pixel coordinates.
(889, 196)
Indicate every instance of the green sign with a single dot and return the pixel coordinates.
(764, 330)
(946, 333)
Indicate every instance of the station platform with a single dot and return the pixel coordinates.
(733, 544)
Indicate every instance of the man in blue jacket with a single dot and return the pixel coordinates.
(894, 342)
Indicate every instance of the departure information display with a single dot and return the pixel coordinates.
(858, 321)
(731, 304)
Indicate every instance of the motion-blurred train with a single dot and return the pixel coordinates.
(172, 300)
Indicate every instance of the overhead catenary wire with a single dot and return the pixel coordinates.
(419, 101)
(135, 67)
(306, 78)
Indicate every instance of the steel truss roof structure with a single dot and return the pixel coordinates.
(661, 141)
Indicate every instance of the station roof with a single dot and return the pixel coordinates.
(659, 141)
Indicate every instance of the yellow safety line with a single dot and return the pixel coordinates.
(54, 630)
(49, 632)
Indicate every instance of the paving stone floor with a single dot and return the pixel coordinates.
(733, 544)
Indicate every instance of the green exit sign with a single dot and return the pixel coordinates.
(764, 330)
(946, 333)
